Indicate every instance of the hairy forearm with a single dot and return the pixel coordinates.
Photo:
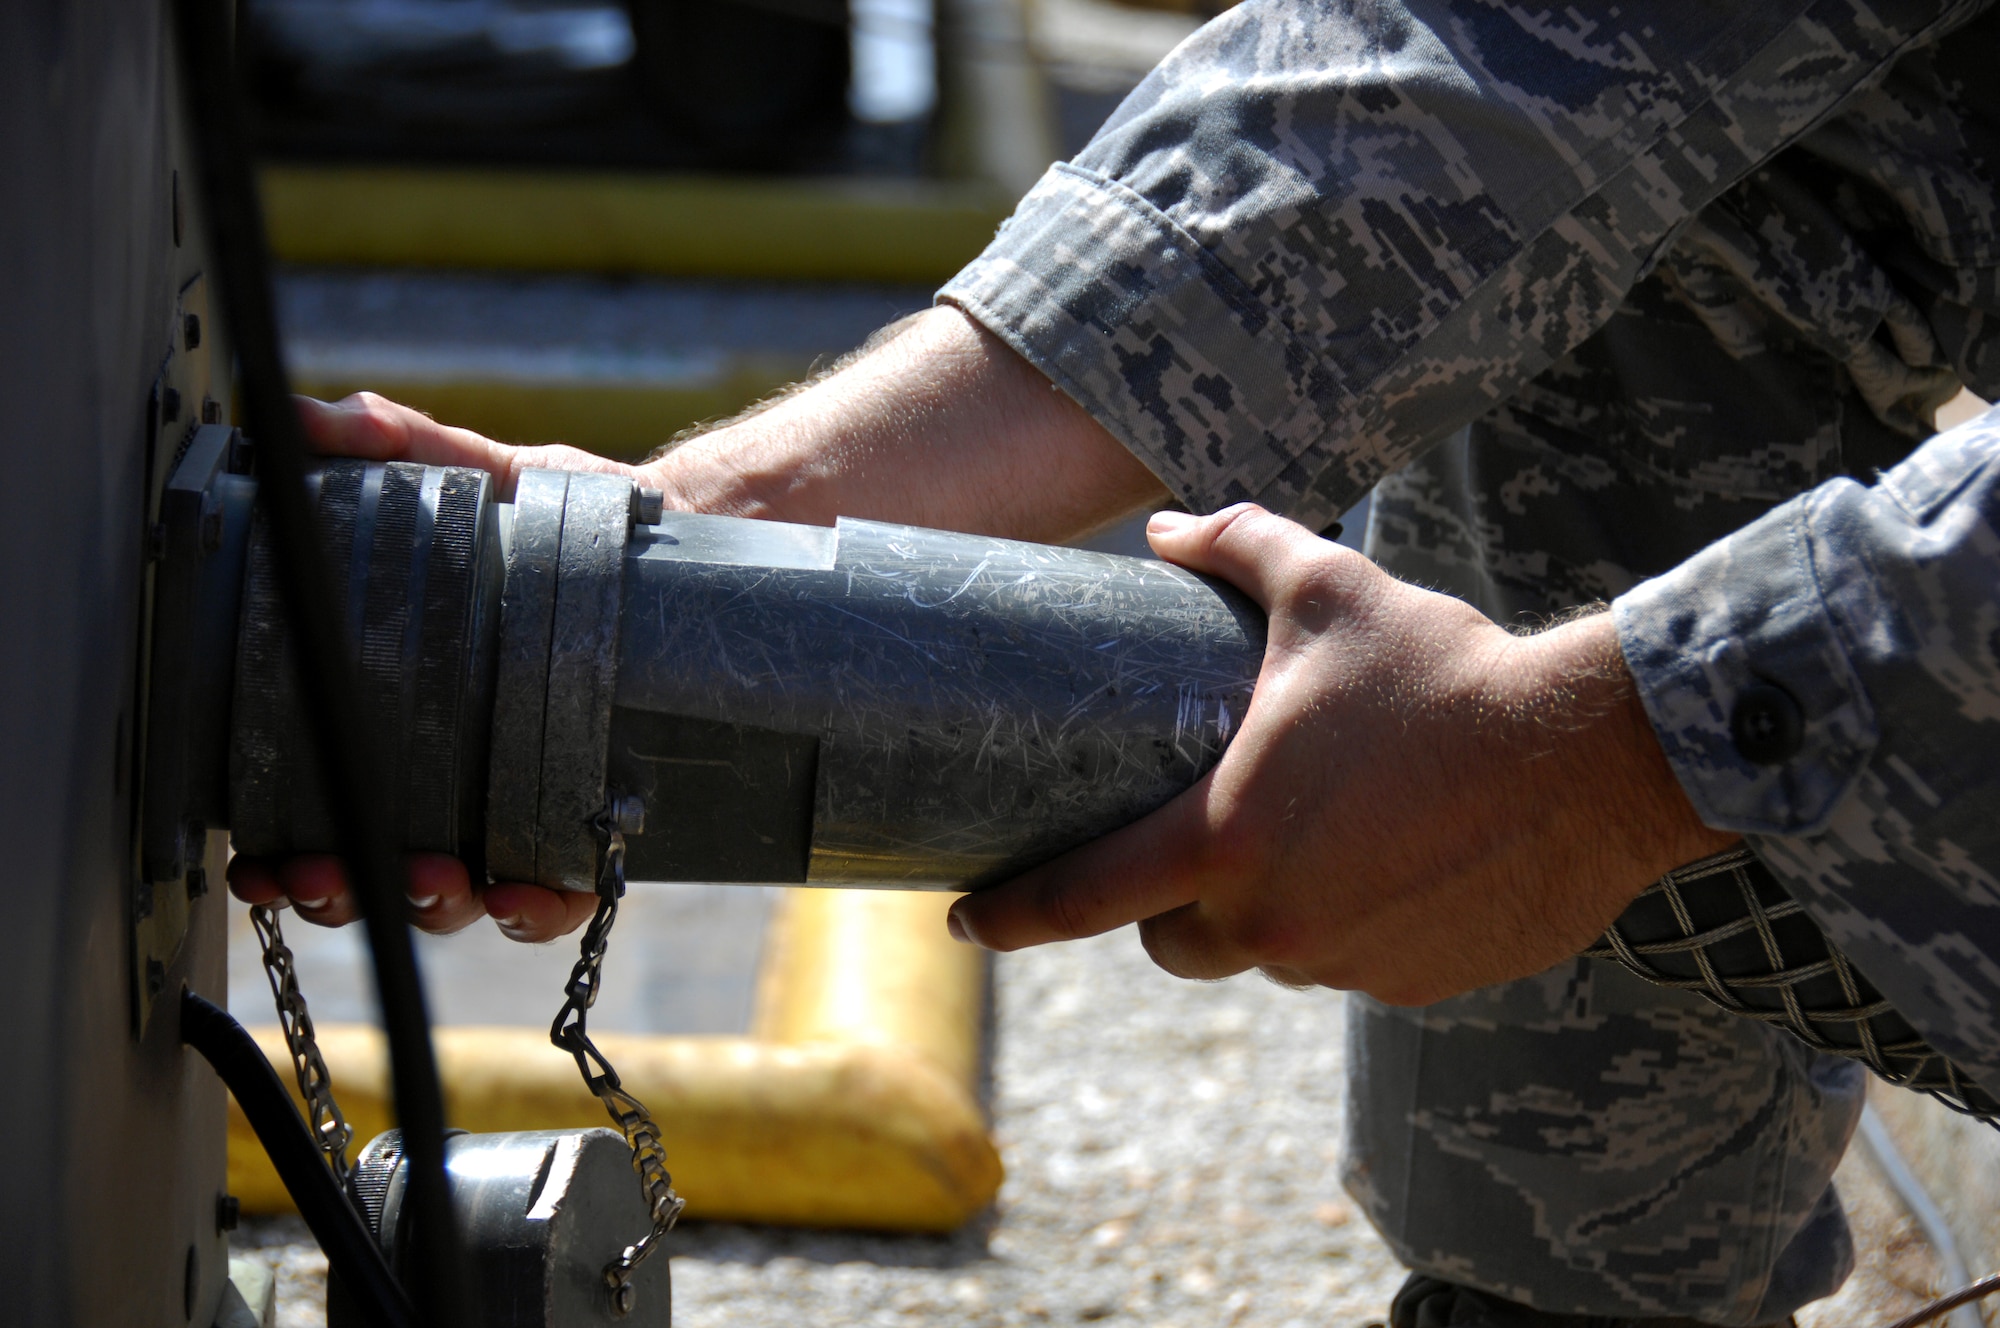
(939, 425)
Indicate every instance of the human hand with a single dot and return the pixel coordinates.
(377, 429)
(1419, 802)
(443, 897)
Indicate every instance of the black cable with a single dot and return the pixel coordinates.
(373, 853)
(351, 1252)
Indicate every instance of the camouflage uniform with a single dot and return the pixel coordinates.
(1608, 292)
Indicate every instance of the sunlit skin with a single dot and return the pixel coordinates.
(1417, 803)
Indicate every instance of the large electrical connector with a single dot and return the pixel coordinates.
(748, 701)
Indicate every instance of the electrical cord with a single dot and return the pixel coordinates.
(1875, 1137)
(441, 1287)
(351, 1252)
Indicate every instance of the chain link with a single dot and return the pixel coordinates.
(329, 1128)
(570, 1031)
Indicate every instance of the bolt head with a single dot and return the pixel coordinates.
(191, 331)
(629, 811)
(648, 506)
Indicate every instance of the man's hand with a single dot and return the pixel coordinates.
(937, 424)
(1419, 802)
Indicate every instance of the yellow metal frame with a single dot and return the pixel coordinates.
(603, 221)
(852, 1103)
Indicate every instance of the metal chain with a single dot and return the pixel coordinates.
(329, 1128)
(571, 1032)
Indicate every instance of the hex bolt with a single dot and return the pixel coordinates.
(628, 810)
(648, 506)
(191, 331)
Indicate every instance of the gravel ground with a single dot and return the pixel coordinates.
(1171, 1157)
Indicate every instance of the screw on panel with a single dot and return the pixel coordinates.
(170, 405)
(228, 1212)
(211, 411)
(197, 882)
(191, 330)
(156, 978)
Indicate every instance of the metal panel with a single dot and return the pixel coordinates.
(117, 1156)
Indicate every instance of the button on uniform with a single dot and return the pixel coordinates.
(1766, 724)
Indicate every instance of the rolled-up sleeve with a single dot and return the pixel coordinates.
(1322, 236)
(1827, 681)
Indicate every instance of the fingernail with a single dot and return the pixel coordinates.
(1166, 523)
(312, 905)
(959, 931)
(422, 902)
(510, 926)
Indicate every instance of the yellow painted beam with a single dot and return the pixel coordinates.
(872, 968)
(853, 1103)
(594, 221)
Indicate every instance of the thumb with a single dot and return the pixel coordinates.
(1244, 545)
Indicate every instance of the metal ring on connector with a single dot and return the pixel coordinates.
(582, 677)
(520, 696)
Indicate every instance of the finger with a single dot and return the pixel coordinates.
(375, 428)
(1185, 942)
(1250, 548)
(254, 881)
(442, 900)
(532, 913)
(317, 888)
(1143, 869)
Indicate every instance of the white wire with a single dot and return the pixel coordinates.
(1917, 1199)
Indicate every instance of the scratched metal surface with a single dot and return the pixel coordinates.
(520, 694)
(979, 704)
(583, 654)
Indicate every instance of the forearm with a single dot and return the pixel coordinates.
(942, 425)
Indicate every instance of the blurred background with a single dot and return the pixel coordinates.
(602, 222)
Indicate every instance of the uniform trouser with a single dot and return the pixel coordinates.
(1588, 1143)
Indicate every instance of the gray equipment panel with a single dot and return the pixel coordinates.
(103, 271)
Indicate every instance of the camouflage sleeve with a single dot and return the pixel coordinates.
(1323, 234)
(1827, 681)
